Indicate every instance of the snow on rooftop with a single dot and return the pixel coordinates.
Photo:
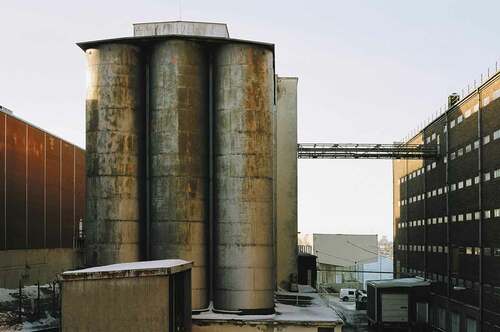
(317, 313)
(133, 266)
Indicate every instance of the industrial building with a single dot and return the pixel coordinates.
(192, 154)
(115, 297)
(447, 212)
(42, 203)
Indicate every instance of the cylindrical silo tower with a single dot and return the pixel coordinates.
(244, 90)
(179, 147)
(115, 136)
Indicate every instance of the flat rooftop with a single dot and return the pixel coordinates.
(128, 270)
(315, 313)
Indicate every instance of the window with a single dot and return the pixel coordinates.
(486, 139)
(445, 219)
(487, 214)
(496, 213)
(468, 182)
(477, 215)
(486, 101)
(433, 136)
(467, 113)
(440, 190)
(445, 159)
(476, 180)
(468, 216)
(440, 220)
(428, 140)
(453, 187)
(441, 318)
(496, 134)
(468, 148)
(496, 173)
(453, 218)
(471, 325)
(460, 217)
(487, 176)
(476, 144)
(476, 108)
(452, 155)
(460, 152)
(428, 167)
(468, 251)
(460, 185)
(452, 124)
(434, 164)
(460, 119)
(455, 322)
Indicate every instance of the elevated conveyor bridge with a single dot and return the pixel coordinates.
(366, 151)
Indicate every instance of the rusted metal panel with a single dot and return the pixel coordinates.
(115, 167)
(179, 158)
(16, 184)
(53, 192)
(244, 243)
(36, 208)
(2, 182)
(67, 194)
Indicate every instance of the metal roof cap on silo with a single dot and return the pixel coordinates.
(187, 28)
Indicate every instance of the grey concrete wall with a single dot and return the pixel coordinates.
(286, 182)
(114, 155)
(35, 265)
(179, 158)
(124, 304)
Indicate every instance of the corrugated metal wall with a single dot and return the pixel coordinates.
(42, 188)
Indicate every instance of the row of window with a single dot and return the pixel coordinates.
(444, 249)
(487, 176)
(465, 115)
(469, 216)
(421, 248)
(417, 172)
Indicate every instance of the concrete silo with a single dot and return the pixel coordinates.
(179, 145)
(114, 129)
(243, 172)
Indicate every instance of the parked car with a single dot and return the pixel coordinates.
(347, 294)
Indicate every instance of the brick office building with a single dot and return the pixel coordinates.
(447, 213)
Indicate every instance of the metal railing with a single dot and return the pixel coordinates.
(366, 151)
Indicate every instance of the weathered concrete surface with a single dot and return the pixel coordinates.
(181, 28)
(115, 113)
(286, 181)
(127, 297)
(36, 265)
(244, 244)
(125, 304)
(179, 158)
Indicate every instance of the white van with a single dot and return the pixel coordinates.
(347, 294)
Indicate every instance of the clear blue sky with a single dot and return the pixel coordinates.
(369, 71)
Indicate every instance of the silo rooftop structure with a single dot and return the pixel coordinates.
(180, 158)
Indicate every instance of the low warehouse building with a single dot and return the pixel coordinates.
(398, 302)
(138, 296)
